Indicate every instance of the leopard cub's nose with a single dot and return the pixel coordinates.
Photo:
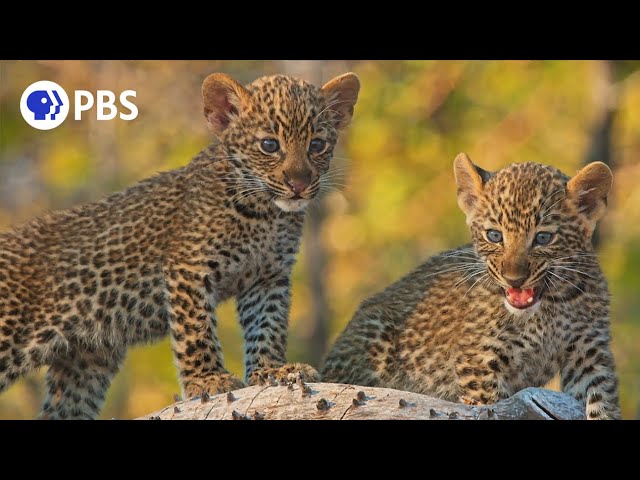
(297, 185)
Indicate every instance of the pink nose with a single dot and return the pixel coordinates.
(297, 186)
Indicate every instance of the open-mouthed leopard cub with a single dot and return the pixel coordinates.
(79, 286)
(527, 299)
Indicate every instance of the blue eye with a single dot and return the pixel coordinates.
(494, 236)
(317, 145)
(543, 238)
(269, 145)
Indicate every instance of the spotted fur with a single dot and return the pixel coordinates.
(447, 330)
(79, 286)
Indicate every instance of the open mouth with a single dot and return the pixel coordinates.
(522, 298)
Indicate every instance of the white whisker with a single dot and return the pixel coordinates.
(565, 280)
(474, 283)
(574, 270)
(327, 108)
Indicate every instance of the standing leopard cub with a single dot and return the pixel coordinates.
(527, 299)
(78, 287)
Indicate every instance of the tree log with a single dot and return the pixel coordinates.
(332, 401)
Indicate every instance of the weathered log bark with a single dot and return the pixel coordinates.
(332, 401)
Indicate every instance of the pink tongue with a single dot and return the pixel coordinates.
(520, 298)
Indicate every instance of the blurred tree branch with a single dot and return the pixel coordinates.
(607, 95)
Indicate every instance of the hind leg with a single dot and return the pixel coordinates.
(77, 384)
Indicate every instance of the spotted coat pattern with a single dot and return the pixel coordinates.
(79, 286)
(446, 328)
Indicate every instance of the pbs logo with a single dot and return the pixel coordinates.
(44, 105)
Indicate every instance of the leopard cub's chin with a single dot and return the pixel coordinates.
(291, 205)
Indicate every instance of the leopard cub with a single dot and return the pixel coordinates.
(480, 322)
(79, 286)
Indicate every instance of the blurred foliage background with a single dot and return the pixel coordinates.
(395, 204)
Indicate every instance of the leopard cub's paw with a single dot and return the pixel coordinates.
(288, 371)
(224, 382)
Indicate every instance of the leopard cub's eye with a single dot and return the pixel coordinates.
(543, 238)
(317, 145)
(269, 145)
(494, 236)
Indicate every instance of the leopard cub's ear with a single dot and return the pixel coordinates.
(588, 190)
(470, 179)
(223, 97)
(341, 95)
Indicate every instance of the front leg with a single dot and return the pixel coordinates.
(196, 349)
(589, 375)
(264, 314)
